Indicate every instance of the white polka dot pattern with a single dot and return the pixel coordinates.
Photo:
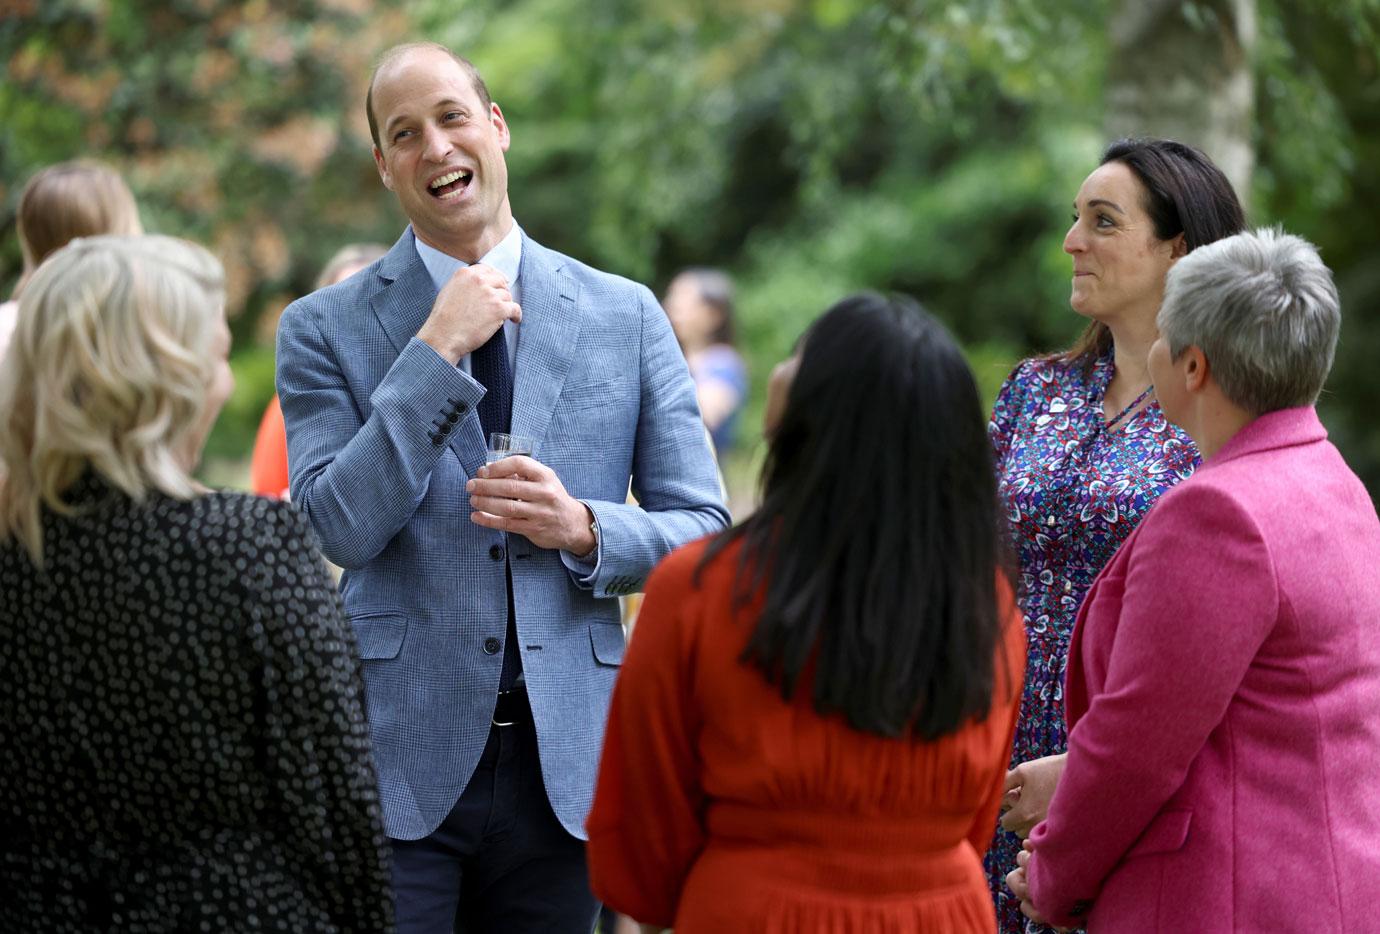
(182, 735)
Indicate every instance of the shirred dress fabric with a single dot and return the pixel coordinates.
(723, 807)
(1073, 491)
(182, 733)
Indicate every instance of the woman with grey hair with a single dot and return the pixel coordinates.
(1225, 669)
(182, 732)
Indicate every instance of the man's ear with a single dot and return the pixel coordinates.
(1196, 368)
(1178, 248)
(500, 126)
(383, 169)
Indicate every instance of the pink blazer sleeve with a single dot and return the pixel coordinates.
(1198, 600)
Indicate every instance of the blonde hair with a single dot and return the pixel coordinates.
(349, 260)
(108, 371)
(68, 200)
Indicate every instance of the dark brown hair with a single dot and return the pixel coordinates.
(877, 563)
(1185, 193)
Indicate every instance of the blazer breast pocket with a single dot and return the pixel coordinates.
(595, 394)
(598, 419)
(379, 634)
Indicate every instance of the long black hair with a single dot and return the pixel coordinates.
(875, 549)
(1185, 193)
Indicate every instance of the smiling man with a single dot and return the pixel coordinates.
(484, 597)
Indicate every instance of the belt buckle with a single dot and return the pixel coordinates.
(501, 695)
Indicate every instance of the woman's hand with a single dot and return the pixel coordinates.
(1029, 788)
(1018, 882)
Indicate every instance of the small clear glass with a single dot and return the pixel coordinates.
(501, 446)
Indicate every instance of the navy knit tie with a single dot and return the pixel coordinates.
(490, 368)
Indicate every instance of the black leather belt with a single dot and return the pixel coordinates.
(512, 707)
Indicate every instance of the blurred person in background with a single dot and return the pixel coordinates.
(1225, 668)
(699, 303)
(812, 725)
(70, 199)
(182, 731)
(268, 467)
(1083, 449)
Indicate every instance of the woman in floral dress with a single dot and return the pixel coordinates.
(1083, 450)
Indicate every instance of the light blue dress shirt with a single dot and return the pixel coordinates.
(506, 257)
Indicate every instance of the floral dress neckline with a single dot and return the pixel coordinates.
(1104, 371)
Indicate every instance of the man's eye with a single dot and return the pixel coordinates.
(1104, 221)
(453, 116)
(401, 134)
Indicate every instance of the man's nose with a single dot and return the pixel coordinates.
(438, 145)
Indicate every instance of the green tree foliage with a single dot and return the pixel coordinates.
(811, 147)
(236, 124)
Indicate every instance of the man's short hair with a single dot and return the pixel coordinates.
(397, 52)
(1263, 309)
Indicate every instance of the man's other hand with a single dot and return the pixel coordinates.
(519, 494)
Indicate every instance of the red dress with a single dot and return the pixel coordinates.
(268, 469)
(722, 807)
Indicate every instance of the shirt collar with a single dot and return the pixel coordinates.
(506, 257)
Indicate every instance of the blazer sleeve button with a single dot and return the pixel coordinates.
(491, 646)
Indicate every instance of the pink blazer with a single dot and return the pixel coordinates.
(1223, 698)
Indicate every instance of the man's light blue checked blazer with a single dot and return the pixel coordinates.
(382, 435)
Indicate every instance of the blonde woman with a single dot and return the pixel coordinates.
(63, 201)
(182, 737)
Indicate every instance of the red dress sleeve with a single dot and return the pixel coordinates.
(646, 826)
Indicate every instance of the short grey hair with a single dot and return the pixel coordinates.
(1263, 309)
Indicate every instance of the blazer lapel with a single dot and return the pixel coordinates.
(546, 339)
(401, 307)
(405, 301)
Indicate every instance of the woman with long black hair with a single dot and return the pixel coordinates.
(811, 725)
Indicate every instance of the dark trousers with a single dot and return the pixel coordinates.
(501, 861)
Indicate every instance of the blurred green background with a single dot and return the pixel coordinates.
(809, 147)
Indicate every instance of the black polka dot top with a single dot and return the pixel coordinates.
(182, 736)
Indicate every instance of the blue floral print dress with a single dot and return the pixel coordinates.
(1073, 486)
